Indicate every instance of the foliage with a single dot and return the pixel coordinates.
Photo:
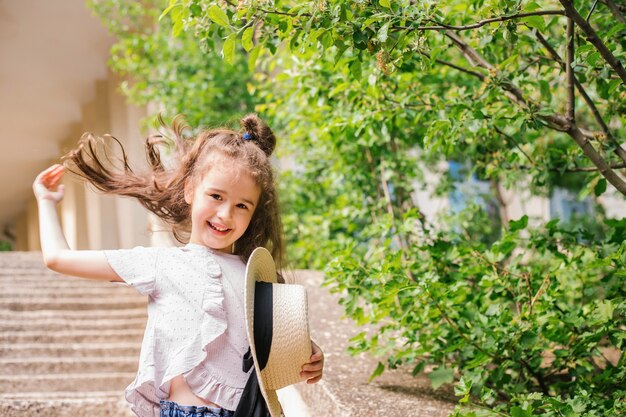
(374, 97)
(179, 74)
(500, 84)
(370, 97)
(524, 324)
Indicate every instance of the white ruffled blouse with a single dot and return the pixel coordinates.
(195, 325)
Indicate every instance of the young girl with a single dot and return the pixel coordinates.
(219, 198)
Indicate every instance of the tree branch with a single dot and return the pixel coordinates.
(594, 110)
(443, 26)
(511, 91)
(555, 121)
(512, 139)
(538, 376)
(604, 168)
(569, 73)
(456, 67)
(502, 203)
(284, 13)
(593, 7)
(593, 38)
(575, 169)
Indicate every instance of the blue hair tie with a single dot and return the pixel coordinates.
(246, 136)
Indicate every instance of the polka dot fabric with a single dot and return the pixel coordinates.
(195, 327)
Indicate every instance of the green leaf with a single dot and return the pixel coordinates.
(614, 29)
(544, 87)
(520, 412)
(504, 247)
(618, 234)
(604, 311)
(593, 58)
(179, 25)
(385, 3)
(528, 339)
(252, 57)
(246, 39)
(536, 22)
(218, 16)
(463, 387)
(195, 9)
(355, 69)
(377, 372)
(228, 50)
(326, 40)
(418, 368)
(441, 376)
(600, 187)
(531, 7)
(515, 225)
(382, 33)
(169, 9)
(613, 84)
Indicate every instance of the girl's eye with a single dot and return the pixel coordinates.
(242, 206)
(216, 196)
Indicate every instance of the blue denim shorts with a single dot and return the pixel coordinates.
(172, 409)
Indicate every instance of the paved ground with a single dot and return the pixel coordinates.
(344, 391)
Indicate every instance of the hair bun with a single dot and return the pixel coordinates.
(259, 132)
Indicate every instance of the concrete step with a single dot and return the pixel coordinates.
(7, 271)
(34, 275)
(22, 264)
(102, 314)
(22, 293)
(70, 407)
(69, 364)
(72, 303)
(50, 324)
(102, 381)
(72, 336)
(26, 350)
(60, 395)
(54, 281)
(68, 346)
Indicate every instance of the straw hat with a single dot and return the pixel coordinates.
(278, 327)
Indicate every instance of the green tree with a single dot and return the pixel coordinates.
(179, 74)
(525, 318)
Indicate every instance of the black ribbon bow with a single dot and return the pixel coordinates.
(252, 403)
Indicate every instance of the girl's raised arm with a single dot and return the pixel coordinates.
(56, 253)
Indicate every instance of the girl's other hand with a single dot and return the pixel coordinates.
(312, 371)
(47, 185)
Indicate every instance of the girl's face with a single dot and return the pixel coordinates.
(222, 205)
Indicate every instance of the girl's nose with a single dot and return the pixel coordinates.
(225, 212)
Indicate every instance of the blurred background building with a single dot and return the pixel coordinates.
(54, 86)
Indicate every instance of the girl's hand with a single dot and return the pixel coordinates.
(47, 185)
(313, 370)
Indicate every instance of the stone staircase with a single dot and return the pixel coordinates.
(68, 346)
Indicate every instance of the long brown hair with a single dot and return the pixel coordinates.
(161, 189)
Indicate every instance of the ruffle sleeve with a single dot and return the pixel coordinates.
(136, 266)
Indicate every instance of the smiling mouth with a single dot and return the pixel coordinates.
(219, 229)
